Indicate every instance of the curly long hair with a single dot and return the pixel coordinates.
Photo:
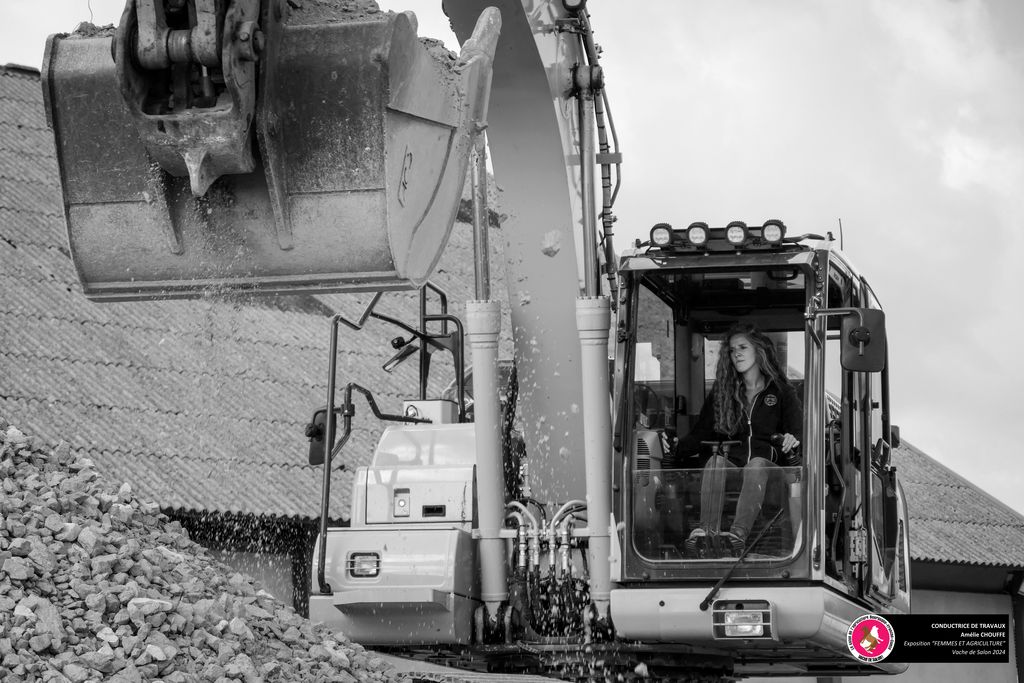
(730, 393)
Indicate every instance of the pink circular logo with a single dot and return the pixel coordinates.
(870, 638)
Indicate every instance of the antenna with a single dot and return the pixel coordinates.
(840, 233)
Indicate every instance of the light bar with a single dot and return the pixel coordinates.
(697, 234)
(699, 237)
(661, 235)
(363, 565)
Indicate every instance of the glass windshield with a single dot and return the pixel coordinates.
(667, 510)
(706, 488)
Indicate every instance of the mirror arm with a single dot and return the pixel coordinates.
(364, 316)
(846, 310)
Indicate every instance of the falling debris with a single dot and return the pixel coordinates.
(97, 584)
(552, 243)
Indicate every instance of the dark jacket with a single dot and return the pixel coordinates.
(776, 410)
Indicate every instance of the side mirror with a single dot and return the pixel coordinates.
(894, 436)
(397, 359)
(863, 341)
(315, 432)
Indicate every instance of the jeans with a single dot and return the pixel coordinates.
(712, 494)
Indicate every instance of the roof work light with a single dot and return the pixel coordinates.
(661, 235)
(773, 231)
(697, 234)
(736, 233)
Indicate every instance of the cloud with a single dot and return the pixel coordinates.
(969, 161)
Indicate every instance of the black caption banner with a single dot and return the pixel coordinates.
(950, 638)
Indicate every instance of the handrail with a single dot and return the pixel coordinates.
(330, 450)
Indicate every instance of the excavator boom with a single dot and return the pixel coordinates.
(261, 146)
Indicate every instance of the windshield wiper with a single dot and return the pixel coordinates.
(725, 577)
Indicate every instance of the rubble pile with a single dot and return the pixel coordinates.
(98, 585)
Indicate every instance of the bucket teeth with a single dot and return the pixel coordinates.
(200, 173)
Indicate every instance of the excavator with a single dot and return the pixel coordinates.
(528, 519)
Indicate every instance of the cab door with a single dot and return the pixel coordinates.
(885, 580)
(843, 516)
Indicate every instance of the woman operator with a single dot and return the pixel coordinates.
(751, 401)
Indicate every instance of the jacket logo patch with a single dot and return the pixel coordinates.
(770, 400)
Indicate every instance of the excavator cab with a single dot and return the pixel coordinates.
(261, 146)
(731, 544)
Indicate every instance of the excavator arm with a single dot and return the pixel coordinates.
(262, 146)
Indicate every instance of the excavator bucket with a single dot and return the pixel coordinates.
(264, 148)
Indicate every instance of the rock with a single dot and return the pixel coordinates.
(39, 643)
(338, 657)
(122, 512)
(24, 609)
(18, 568)
(107, 635)
(54, 676)
(102, 660)
(15, 438)
(69, 532)
(76, 673)
(48, 621)
(242, 667)
(89, 539)
(20, 547)
(156, 653)
(141, 608)
(129, 674)
(16, 527)
(44, 559)
(55, 523)
(103, 564)
(124, 494)
(238, 627)
(96, 601)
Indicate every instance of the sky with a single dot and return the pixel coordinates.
(904, 121)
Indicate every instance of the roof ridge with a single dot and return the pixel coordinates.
(966, 482)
